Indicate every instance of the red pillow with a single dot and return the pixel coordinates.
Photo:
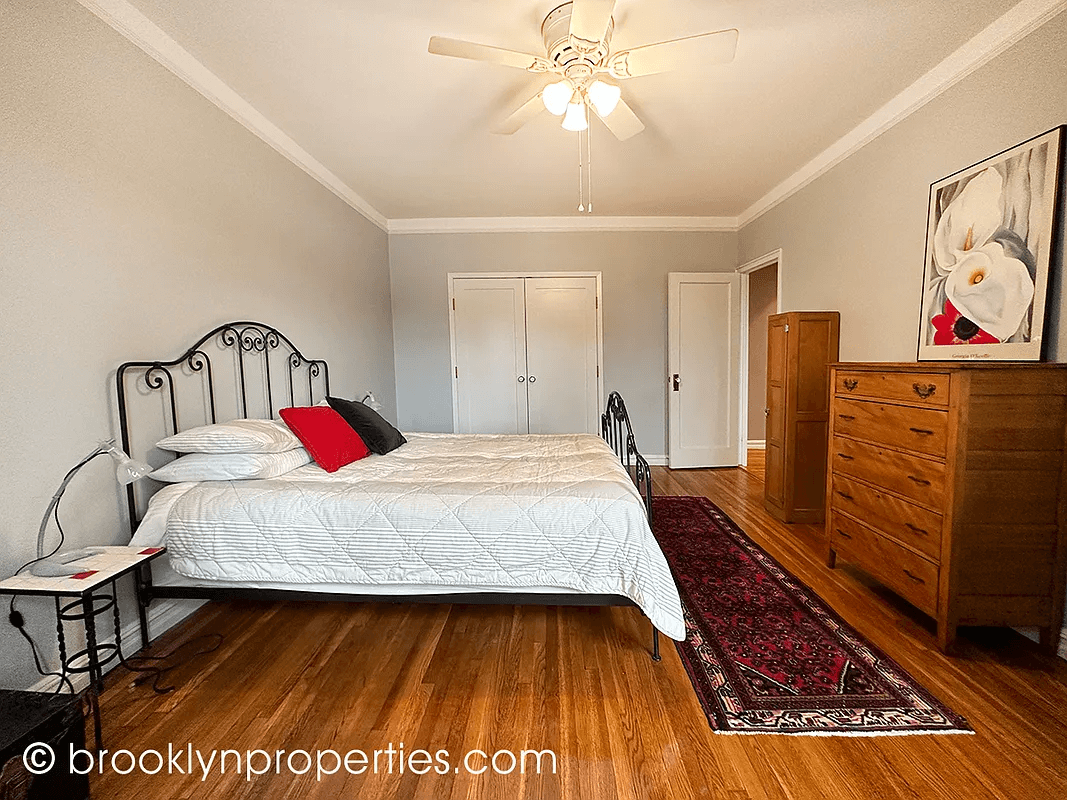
(330, 440)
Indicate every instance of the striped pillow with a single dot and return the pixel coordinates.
(236, 436)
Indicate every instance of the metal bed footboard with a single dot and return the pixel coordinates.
(616, 430)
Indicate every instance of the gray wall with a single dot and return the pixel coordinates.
(854, 239)
(762, 302)
(634, 267)
(134, 216)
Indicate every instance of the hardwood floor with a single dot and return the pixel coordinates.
(578, 682)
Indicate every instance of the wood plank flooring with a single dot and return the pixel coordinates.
(579, 682)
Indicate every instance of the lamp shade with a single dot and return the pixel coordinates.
(576, 119)
(126, 469)
(604, 97)
(556, 97)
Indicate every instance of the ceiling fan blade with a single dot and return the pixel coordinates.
(457, 48)
(589, 20)
(703, 49)
(520, 116)
(622, 122)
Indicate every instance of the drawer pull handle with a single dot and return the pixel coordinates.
(851, 383)
(845, 457)
(924, 390)
(845, 495)
(915, 578)
(917, 529)
(849, 417)
(843, 533)
(920, 481)
(921, 431)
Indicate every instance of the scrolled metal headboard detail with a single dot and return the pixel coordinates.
(616, 430)
(249, 348)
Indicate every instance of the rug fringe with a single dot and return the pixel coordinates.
(855, 734)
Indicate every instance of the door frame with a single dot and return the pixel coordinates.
(772, 258)
(453, 276)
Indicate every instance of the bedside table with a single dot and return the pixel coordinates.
(85, 603)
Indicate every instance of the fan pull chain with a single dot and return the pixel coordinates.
(581, 187)
(589, 166)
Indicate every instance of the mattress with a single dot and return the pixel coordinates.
(444, 513)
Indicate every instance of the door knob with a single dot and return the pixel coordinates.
(522, 378)
(766, 412)
(677, 382)
(533, 379)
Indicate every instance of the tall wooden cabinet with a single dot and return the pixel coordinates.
(946, 484)
(800, 347)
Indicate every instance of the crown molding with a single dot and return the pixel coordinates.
(145, 34)
(1014, 25)
(1021, 20)
(559, 224)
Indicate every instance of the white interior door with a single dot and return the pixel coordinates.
(704, 362)
(489, 354)
(561, 355)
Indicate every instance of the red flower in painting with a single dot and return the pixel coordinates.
(953, 328)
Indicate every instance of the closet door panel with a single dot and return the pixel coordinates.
(561, 352)
(489, 325)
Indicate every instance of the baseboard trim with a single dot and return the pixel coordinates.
(162, 616)
(757, 444)
(656, 461)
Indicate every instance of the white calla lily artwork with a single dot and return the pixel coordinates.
(990, 238)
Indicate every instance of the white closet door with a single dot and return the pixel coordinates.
(489, 336)
(561, 355)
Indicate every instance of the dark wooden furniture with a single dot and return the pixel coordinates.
(27, 721)
(946, 484)
(800, 348)
(89, 594)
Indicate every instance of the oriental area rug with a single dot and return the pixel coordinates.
(765, 654)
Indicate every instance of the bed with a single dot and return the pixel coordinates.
(547, 520)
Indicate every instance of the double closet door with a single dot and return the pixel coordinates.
(525, 354)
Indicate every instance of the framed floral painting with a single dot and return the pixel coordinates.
(990, 239)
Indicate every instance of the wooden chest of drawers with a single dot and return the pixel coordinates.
(946, 483)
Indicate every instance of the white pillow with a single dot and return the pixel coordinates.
(237, 436)
(230, 466)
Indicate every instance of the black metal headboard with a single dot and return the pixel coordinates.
(616, 430)
(240, 369)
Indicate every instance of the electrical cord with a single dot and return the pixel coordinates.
(156, 673)
(15, 617)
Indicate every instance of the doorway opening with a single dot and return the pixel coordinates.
(763, 297)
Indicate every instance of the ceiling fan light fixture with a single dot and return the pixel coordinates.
(576, 119)
(604, 97)
(556, 97)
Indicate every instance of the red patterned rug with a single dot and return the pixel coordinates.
(766, 655)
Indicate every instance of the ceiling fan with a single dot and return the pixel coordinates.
(577, 38)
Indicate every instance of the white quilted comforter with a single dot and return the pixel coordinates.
(506, 511)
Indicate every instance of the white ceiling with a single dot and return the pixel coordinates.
(351, 82)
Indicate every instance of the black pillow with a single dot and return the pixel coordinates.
(379, 436)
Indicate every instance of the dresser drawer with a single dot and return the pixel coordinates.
(899, 519)
(912, 387)
(918, 478)
(923, 430)
(911, 576)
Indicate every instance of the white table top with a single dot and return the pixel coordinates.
(96, 570)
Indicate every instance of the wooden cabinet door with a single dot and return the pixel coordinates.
(777, 373)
